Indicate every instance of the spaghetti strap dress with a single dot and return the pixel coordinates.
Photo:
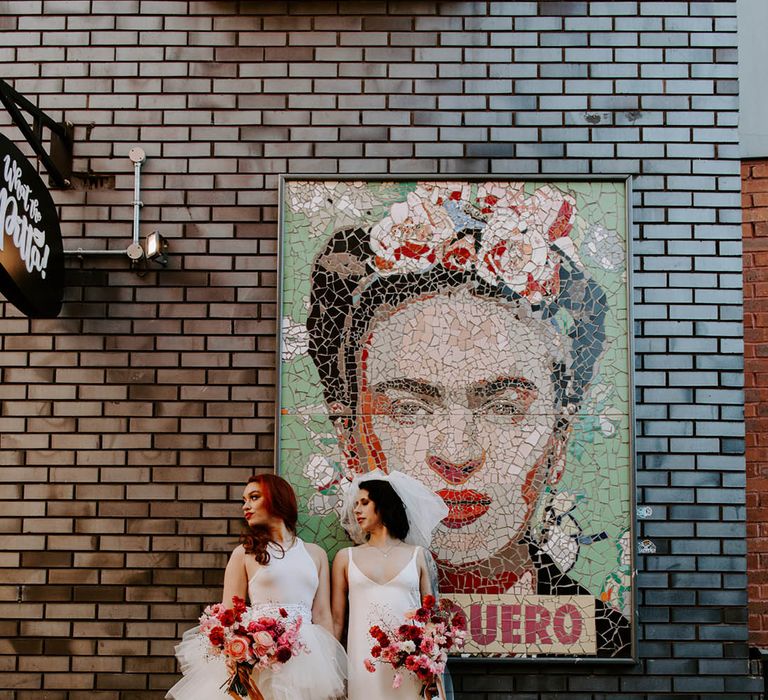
(383, 604)
(288, 581)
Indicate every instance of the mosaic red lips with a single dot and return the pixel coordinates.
(464, 506)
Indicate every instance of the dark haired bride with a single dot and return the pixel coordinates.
(379, 581)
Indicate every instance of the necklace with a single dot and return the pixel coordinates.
(384, 551)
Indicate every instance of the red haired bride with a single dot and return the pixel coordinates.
(274, 570)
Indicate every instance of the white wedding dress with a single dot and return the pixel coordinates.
(372, 603)
(288, 581)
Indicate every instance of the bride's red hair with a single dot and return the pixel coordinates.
(279, 502)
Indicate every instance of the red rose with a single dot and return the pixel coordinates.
(239, 606)
(428, 601)
(409, 631)
(376, 652)
(227, 618)
(283, 612)
(283, 654)
(216, 636)
(459, 620)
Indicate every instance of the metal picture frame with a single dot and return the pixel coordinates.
(474, 180)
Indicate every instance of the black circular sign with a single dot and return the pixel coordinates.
(31, 253)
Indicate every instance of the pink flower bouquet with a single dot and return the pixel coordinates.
(421, 644)
(250, 642)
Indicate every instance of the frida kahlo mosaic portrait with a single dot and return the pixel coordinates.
(473, 334)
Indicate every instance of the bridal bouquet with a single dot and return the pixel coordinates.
(250, 642)
(421, 643)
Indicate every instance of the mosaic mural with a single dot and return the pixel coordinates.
(475, 335)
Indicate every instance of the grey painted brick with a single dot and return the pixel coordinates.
(693, 412)
(688, 55)
(720, 428)
(489, 55)
(693, 378)
(666, 632)
(564, 134)
(648, 478)
(732, 412)
(637, 55)
(693, 684)
(539, 87)
(723, 632)
(513, 102)
(611, 102)
(514, 134)
(590, 24)
(507, 70)
(667, 428)
(564, 39)
(698, 615)
(538, 24)
(722, 563)
(646, 580)
(705, 650)
(733, 496)
(666, 362)
(559, 70)
(721, 462)
(539, 119)
(488, 119)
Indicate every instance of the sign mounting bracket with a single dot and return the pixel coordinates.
(59, 162)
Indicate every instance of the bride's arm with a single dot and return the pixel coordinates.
(427, 582)
(339, 591)
(235, 578)
(321, 605)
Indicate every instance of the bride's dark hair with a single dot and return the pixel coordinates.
(279, 502)
(388, 506)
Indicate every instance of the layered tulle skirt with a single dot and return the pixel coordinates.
(317, 674)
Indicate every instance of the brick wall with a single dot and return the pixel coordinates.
(754, 177)
(128, 424)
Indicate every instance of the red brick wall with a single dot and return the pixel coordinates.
(754, 176)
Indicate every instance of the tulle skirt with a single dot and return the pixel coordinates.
(317, 675)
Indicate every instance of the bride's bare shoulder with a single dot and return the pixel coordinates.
(238, 554)
(342, 556)
(315, 550)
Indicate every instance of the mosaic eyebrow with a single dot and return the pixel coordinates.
(414, 386)
(484, 390)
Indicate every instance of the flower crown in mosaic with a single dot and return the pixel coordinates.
(505, 236)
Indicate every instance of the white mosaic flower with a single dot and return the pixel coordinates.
(514, 251)
(412, 237)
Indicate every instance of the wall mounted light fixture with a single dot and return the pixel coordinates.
(155, 246)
